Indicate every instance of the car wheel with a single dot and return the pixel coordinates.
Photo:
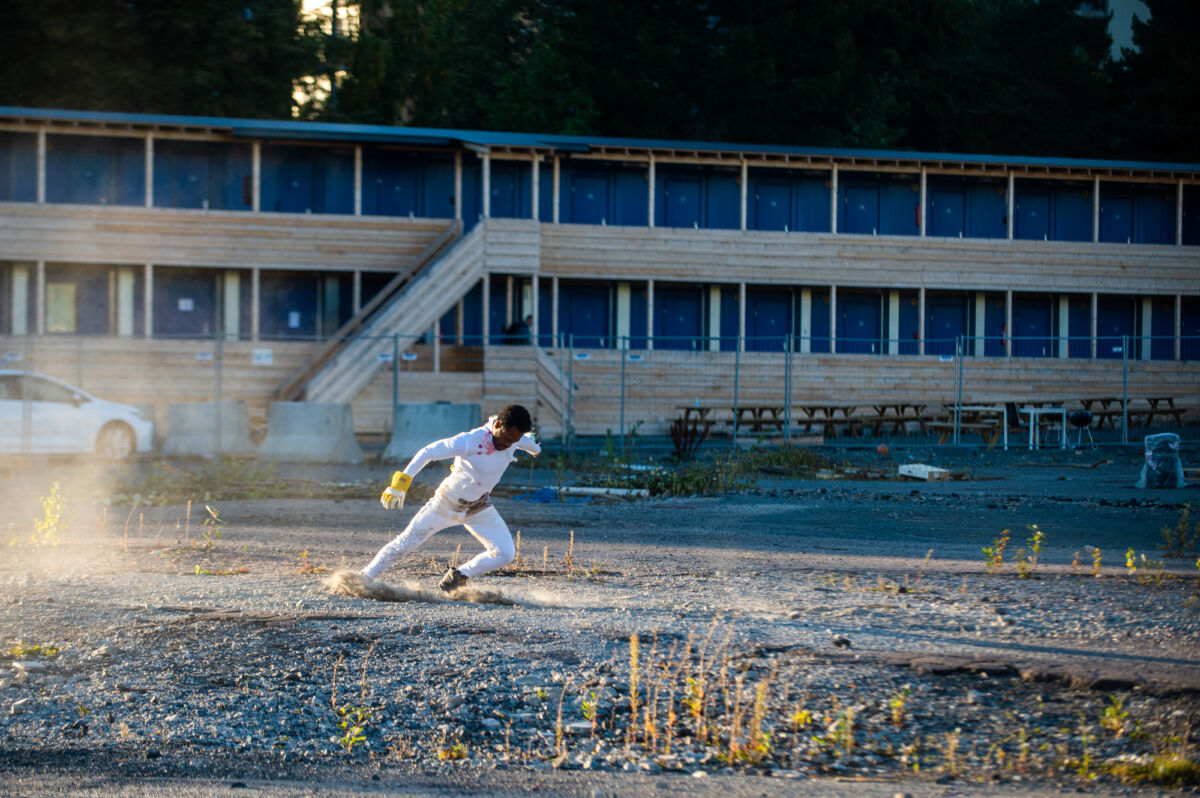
(116, 441)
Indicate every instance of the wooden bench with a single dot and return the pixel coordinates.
(988, 430)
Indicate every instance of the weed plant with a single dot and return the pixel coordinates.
(47, 530)
(1177, 540)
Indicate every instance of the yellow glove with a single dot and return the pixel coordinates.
(393, 495)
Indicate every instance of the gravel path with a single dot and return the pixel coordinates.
(815, 635)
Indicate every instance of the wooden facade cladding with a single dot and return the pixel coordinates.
(784, 259)
(220, 239)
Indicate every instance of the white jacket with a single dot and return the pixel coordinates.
(477, 466)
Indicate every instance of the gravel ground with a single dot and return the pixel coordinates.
(816, 636)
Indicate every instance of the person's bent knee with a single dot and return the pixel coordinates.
(505, 553)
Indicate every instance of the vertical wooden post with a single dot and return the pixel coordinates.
(256, 176)
(41, 166)
(40, 297)
(921, 214)
(1178, 216)
(487, 308)
(149, 176)
(555, 197)
(1008, 328)
(554, 297)
(741, 317)
(832, 319)
(649, 314)
(833, 203)
(650, 192)
(1095, 323)
(486, 191)
(921, 320)
(458, 186)
(356, 290)
(1095, 208)
(148, 300)
(255, 302)
(1178, 325)
(535, 189)
(1012, 205)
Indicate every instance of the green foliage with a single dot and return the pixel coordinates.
(717, 477)
(47, 530)
(1178, 541)
(994, 554)
(25, 650)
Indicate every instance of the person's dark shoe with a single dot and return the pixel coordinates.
(452, 580)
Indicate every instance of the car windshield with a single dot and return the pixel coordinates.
(45, 391)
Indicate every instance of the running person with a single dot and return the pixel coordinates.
(464, 497)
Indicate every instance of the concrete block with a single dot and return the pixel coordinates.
(311, 432)
(414, 425)
(192, 429)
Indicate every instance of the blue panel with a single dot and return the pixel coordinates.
(288, 306)
(910, 313)
(1079, 327)
(947, 213)
(545, 313)
(473, 316)
(768, 320)
(898, 208)
(1154, 212)
(730, 325)
(509, 190)
(1033, 321)
(1191, 216)
(945, 320)
(818, 328)
(437, 189)
(391, 184)
(681, 202)
(1114, 320)
(588, 197)
(811, 197)
(1162, 329)
(1189, 328)
(770, 205)
(987, 211)
(1072, 213)
(629, 195)
(472, 180)
(1116, 218)
(723, 201)
(994, 331)
(858, 328)
(584, 315)
(860, 210)
(336, 181)
(1033, 215)
(181, 175)
(18, 167)
(637, 317)
(95, 171)
(546, 193)
(185, 303)
(497, 314)
(677, 318)
(294, 186)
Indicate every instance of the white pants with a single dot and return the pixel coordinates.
(486, 525)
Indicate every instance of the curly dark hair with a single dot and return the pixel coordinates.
(515, 416)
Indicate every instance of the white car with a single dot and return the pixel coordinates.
(43, 415)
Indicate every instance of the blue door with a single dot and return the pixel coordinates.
(589, 199)
(505, 188)
(994, 332)
(1162, 328)
(677, 321)
(947, 213)
(909, 316)
(683, 203)
(1116, 220)
(584, 314)
(1033, 216)
(295, 187)
(768, 320)
(945, 320)
(1114, 321)
(861, 210)
(858, 323)
(393, 192)
(1189, 329)
(1032, 325)
(772, 205)
(1079, 327)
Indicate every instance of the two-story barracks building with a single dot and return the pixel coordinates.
(152, 228)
